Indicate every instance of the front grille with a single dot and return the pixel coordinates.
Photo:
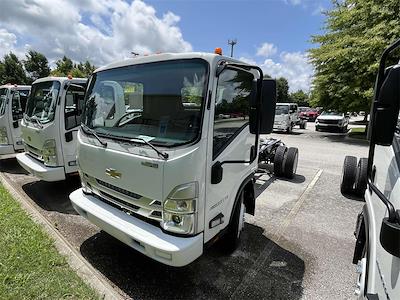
(328, 121)
(125, 200)
(115, 188)
(34, 152)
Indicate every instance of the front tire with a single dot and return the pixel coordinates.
(231, 239)
(360, 184)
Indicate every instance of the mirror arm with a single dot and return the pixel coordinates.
(393, 217)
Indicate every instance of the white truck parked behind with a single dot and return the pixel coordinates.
(12, 105)
(377, 179)
(287, 116)
(50, 126)
(160, 169)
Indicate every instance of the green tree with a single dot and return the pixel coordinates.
(37, 65)
(12, 70)
(300, 97)
(347, 56)
(282, 89)
(64, 67)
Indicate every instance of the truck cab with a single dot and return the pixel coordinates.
(376, 180)
(287, 116)
(12, 105)
(50, 127)
(161, 170)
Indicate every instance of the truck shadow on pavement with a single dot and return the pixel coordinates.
(53, 196)
(264, 180)
(259, 268)
(11, 166)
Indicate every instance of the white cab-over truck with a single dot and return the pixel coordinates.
(12, 105)
(50, 127)
(377, 180)
(160, 169)
(287, 116)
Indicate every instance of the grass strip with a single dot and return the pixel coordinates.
(30, 266)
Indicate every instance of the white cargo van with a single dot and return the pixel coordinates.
(50, 126)
(377, 180)
(12, 105)
(160, 169)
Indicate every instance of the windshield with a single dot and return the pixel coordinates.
(42, 101)
(331, 113)
(282, 109)
(159, 102)
(303, 109)
(3, 100)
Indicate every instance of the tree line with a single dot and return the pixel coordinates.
(283, 95)
(347, 54)
(36, 65)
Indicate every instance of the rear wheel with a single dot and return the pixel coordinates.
(361, 177)
(290, 165)
(348, 175)
(289, 129)
(232, 237)
(279, 160)
(303, 124)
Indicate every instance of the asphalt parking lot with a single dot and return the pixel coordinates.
(299, 245)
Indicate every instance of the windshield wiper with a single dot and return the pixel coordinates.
(93, 132)
(161, 153)
(38, 122)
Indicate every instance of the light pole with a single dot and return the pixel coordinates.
(232, 43)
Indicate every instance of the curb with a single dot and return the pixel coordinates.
(75, 260)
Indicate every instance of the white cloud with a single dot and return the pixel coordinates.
(98, 30)
(294, 66)
(266, 50)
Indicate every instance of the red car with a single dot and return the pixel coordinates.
(311, 114)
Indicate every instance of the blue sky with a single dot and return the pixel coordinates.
(274, 34)
(208, 24)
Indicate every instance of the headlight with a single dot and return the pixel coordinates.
(3, 136)
(179, 209)
(50, 153)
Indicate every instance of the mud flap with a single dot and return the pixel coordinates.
(360, 235)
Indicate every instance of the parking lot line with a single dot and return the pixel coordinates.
(275, 237)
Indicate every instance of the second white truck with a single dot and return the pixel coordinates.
(50, 126)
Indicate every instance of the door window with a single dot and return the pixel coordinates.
(74, 103)
(232, 107)
(18, 104)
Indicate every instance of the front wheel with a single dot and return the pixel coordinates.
(232, 237)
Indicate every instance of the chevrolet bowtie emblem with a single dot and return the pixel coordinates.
(113, 173)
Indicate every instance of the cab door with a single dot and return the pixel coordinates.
(229, 139)
(16, 113)
(72, 110)
(384, 268)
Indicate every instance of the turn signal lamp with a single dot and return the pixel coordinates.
(69, 76)
(218, 51)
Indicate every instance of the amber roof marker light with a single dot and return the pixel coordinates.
(218, 51)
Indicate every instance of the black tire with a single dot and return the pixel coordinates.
(316, 128)
(344, 129)
(360, 184)
(231, 239)
(290, 166)
(303, 125)
(279, 160)
(348, 175)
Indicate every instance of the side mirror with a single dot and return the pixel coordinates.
(390, 237)
(385, 115)
(268, 104)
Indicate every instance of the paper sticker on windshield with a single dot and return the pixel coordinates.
(146, 138)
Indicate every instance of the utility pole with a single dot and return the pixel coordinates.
(232, 43)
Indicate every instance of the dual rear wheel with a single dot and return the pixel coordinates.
(285, 161)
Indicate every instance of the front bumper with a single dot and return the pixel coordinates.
(39, 170)
(6, 149)
(280, 126)
(141, 236)
(329, 125)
